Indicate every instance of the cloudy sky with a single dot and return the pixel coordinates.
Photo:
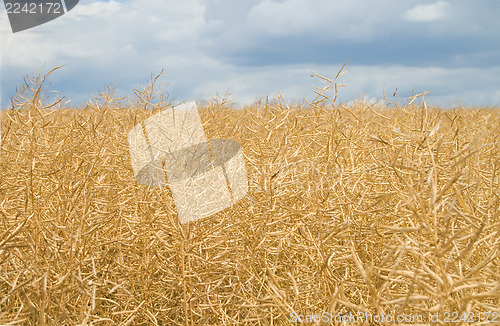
(255, 48)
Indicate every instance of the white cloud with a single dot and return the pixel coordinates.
(95, 9)
(432, 12)
(355, 20)
(109, 33)
(247, 85)
(157, 19)
(447, 86)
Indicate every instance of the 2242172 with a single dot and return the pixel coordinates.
(33, 8)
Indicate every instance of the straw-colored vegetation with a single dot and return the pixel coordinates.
(390, 211)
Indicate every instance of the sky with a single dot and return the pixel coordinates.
(250, 49)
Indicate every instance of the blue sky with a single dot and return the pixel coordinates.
(255, 48)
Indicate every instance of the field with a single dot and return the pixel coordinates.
(388, 211)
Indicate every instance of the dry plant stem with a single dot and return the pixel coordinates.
(331, 85)
(185, 264)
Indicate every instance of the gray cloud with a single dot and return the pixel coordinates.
(258, 47)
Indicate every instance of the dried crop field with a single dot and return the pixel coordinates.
(388, 211)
